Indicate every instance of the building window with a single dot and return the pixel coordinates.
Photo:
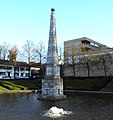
(2, 73)
(69, 60)
(22, 68)
(58, 91)
(69, 44)
(77, 43)
(27, 74)
(16, 74)
(2, 67)
(27, 69)
(16, 68)
(69, 51)
(8, 67)
(77, 50)
(22, 74)
(77, 59)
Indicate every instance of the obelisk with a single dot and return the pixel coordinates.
(52, 84)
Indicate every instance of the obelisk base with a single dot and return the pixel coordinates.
(51, 98)
(52, 89)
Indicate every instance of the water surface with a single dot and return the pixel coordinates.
(84, 107)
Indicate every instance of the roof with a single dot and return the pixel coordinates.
(6, 62)
(18, 63)
(88, 39)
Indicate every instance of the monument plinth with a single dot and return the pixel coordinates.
(52, 84)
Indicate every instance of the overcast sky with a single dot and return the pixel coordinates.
(22, 20)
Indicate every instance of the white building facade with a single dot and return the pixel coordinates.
(7, 69)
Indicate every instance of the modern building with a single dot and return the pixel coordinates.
(78, 53)
(7, 69)
(80, 45)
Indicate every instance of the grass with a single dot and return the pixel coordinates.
(27, 85)
(2, 88)
(12, 86)
(18, 85)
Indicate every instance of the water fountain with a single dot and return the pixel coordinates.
(55, 112)
(52, 84)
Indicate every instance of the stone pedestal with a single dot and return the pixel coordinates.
(52, 89)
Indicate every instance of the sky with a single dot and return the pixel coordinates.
(22, 20)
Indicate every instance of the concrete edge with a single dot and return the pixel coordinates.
(93, 92)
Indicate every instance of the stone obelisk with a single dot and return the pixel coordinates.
(52, 84)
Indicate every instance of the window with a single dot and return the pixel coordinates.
(77, 50)
(58, 91)
(2, 67)
(22, 74)
(69, 44)
(69, 51)
(77, 43)
(69, 60)
(27, 74)
(8, 67)
(2, 73)
(16, 68)
(22, 68)
(77, 59)
(27, 69)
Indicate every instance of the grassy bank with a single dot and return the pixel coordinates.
(3, 88)
(19, 84)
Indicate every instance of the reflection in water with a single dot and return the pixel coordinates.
(84, 107)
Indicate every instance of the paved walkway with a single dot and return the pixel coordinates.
(15, 91)
(36, 91)
(93, 92)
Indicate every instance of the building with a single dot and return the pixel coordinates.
(21, 69)
(81, 53)
(7, 69)
(80, 45)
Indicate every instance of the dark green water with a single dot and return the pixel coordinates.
(83, 106)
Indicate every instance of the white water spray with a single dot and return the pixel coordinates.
(56, 112)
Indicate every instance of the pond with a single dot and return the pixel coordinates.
(25, 106)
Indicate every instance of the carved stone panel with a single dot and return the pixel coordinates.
(49, 71)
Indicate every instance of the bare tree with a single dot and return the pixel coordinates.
(28, 52)
(3, 50)
(60, 52)
(86, 59)
(40, 56)
(40, 53)
(105, 59)
(86, 62)
(13, 56)
(61, 59)
(71, 60)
